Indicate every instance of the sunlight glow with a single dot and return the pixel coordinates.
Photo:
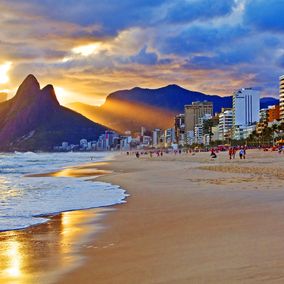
(4, 68)
(87, 50)
(64, 96)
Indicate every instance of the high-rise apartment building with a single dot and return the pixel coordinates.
(179, 129)
(225, 124)
(194, 112)
(246, 105)
(281, 97)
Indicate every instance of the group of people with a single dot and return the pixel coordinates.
(232, 153)
(158, 153)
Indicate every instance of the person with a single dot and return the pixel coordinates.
(213, 154)
(234, 152)
(241, 153)
(137, 155)
(230, 153)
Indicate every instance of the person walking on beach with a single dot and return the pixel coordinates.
(230, 153)
(242, 154)
(234, 152)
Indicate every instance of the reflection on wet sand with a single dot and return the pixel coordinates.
(88, 170)
(40, 253)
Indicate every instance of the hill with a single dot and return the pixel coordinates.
(34, 120)
(151, 108)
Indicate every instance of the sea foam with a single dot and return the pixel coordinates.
(25, 201)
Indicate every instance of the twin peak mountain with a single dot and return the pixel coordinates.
(34, 120)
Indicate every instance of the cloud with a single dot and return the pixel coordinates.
(93, 47)
(265, 15)
(201, 39)
(188, 11)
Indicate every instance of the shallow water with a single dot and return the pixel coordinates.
(25, 201)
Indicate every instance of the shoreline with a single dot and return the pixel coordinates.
(72, 228)
(187, 220)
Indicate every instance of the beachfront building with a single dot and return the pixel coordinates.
(108, 141)
(281, 97)
(246, 105)
(156, 137)
(169, 137)
(215, 133)
(263, 115)
(225, 124)
(180, 129)
(194, 112)
(273, 114)
(200, 130)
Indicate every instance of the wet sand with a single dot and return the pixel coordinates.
(41, 253)
(191, 220)
(188, 220)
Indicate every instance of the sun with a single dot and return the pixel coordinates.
(4, 69)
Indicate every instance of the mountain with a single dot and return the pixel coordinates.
(151, 108)
(268, 101)
(34, 120)
(171, 97)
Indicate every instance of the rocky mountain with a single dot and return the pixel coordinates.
(151, 108)
(34, 120)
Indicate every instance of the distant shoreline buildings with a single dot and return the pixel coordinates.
(198, 126)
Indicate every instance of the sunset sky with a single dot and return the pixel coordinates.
(89, 48)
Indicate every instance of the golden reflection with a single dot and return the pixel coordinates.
(41, 253)
(15, 259)
(79, 173)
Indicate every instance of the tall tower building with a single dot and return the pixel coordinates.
(281, 97)
(194, 112)
(246, 105)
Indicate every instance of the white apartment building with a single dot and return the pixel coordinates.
(246, 105)
(225, 124)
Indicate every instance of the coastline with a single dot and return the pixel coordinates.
(188, 220)
(42, 252)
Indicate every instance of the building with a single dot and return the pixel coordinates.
(156, 136)
(281, 97)
(194, 112)
(169, 137)
(246, 106)
(180, 129)
(107, 141)
(273, 113)
(263, 115)
(225, 124)
(200, 130)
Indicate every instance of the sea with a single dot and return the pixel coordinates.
(28, 201)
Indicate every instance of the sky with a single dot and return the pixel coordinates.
(90, 48)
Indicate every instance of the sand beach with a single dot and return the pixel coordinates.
(188, 219)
